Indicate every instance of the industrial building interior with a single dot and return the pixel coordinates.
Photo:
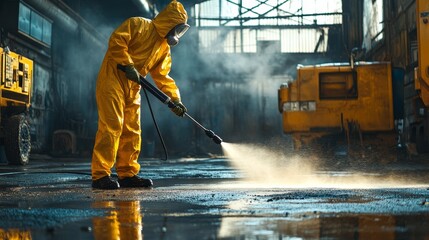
(297, 76)
(243, 52)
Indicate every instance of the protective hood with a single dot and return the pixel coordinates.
(172, 15)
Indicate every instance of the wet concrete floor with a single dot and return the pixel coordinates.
(207, 198)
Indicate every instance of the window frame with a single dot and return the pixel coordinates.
(347, 95)
(45, 36)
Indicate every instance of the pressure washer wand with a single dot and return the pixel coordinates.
(208, 132)
(167, 100)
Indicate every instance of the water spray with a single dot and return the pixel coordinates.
(167, 100)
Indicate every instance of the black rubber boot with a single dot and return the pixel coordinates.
(135, 182)
(105, 183)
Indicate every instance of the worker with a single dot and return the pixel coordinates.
(138, 46)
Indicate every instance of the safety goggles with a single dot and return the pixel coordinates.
(179, 30)
(174, 35)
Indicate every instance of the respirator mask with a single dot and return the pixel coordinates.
(176, 33)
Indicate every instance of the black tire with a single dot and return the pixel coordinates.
(17, 140)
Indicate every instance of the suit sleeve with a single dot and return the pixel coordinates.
(162, 80)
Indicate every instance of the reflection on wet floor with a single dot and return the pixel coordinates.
(124, 220)
(331, 227)
(209, 199)
(15, 234)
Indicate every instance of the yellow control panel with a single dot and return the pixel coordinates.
(16, 77)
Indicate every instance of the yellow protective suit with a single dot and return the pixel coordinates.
(141, 42)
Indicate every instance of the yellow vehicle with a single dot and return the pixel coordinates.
(356, 101)
(420, 121)
(422, 72)
(337, 98)
(16, 78)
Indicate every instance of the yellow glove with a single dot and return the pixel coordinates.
(132, 74)
(179, 109)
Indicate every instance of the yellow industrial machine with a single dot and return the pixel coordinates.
(419, 119)
(352, 100)
(16, 78)
(337, 99)
(422, 72)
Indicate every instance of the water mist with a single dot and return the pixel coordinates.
(263, 167)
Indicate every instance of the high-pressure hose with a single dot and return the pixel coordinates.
(156, 125)
(167, 100)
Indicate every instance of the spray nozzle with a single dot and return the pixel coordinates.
(213, 136)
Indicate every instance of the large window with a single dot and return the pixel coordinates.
(293, 26)
(372, 23)
(34, 24)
